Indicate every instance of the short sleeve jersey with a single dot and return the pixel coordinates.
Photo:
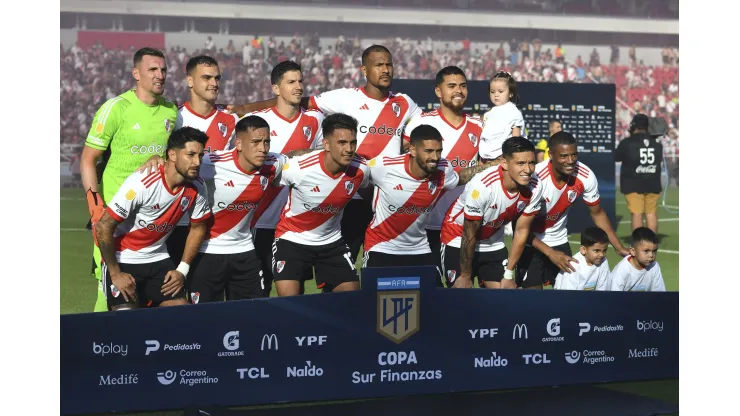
(626, 278)
(380, 123)
(403, 204)
(218, 125)
(486, 199)
(498, 123)
(133, 131)
(316, 198)
(459, 147)
(148, 211)
(594, 277)
(302, 132)
(234, 194)
(550, 226)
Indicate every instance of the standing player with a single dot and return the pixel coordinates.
(137, 271)
(308, 234)
(543, 152)
(129, 128)
(204, 82)
(381, 116)
(293, 131)
(639, 272)
(409, 186)
(563, 179)
(460, 135)
(237, 181)
(472, 232)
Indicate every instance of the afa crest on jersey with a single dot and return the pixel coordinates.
(263, 182)
(473, 139)
(222, 128)
(307, 132)
(572, 195)
(520, 206)
(184, 203)
(349, 186)
(432, 187)
(167, 125)
(396, 109)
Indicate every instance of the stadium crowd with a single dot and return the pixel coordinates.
(92, 75)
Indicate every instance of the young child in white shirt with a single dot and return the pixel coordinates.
(502, 121)
(639, 272)
(592, 266)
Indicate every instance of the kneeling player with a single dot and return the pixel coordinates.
(308, 234)
(409, 186)
(238, 180)
(592, 269)
(137, 271)
(639, 272)
(472, 232)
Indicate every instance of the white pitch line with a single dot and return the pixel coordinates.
(659, 220)
(666, 206)
(660, 250)
(73, 229)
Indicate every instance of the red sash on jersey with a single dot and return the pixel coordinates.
(374, 143)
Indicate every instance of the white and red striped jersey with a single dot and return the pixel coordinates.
(486, 198)
(316, 198)
(148, 211)
(234, 195)
(403, 204)
(218, 125)
(550, 226)
(380, 123)
(459, 147)
(302, 132)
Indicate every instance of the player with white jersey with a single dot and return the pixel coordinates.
(504, 120)
(228, 266)
(408, 187)
(137, 270)
(472, 232)
(200, 112)
(308, 234)
(592, 269)
(639, 272)
(293, 131)
(381, 115)
(563, 180)
(460, 139)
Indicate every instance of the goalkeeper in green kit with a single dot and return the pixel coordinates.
(130, 128)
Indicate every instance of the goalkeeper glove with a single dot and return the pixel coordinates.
(96, 207)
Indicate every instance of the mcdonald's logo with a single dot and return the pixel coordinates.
(269, 338)
(520, 329)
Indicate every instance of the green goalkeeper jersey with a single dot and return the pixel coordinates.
(133, 131)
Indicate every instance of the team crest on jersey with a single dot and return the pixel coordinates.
(396, 109)
(451, 274)
(222, 128)
(167, 124)
(473, 139)
(572, 195)
(194, 297)
(520, 206)
(647, 142)
(263, 182)
(279, 266)
(432, 187)
(307, 132)
(349, 186)
(184, 203)
(114, 291)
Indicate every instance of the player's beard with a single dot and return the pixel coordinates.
(185, 173)
(455, 107)
(426, 168)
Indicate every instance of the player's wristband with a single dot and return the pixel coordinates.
(508, 274)
(183, 268)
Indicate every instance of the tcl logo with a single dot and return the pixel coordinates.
(160, 228)
(382, 130)
(242, 206)
(535, 359)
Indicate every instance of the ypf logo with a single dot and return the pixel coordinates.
(166, 378)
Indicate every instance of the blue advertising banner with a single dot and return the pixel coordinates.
(587, 111)
(398, 336)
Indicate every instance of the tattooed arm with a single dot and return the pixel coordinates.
(123, 281)
(298, 152)
(467, 251)
(467, 174)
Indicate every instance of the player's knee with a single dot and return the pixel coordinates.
(288, 287)
(347, 287)
(174, 302)
(124, 307)
(492, 285)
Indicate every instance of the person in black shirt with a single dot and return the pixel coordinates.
(641, 156)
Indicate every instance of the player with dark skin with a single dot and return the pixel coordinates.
(183, 165)
(564, 159)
